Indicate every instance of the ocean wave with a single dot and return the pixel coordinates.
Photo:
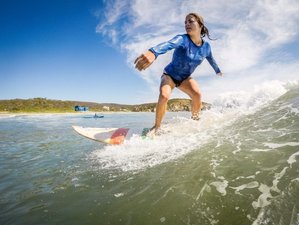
(260, 95)
(181, 135)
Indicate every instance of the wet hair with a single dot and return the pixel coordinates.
(204, 30)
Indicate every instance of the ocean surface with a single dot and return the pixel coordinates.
(238, 165)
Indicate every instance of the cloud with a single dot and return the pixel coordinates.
(248, 79)
(248, 34)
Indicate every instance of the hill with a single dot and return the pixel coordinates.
(43, 105)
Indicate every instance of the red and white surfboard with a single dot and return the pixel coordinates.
(114, 136)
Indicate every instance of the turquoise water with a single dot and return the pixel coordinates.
(238, 165)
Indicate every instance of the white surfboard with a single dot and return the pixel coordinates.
(112, 136)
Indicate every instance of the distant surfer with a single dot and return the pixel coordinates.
(190, 51)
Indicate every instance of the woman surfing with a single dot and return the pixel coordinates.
(189, 51)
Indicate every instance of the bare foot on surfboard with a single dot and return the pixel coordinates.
(154, 131)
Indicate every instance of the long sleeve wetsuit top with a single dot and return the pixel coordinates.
(186, 56)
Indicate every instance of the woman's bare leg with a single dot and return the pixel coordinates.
(166, 88)
(191, 88)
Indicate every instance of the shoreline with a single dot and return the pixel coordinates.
(90, 113)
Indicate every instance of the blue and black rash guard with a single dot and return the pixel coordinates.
(186, 56)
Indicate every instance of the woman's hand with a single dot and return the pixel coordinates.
(219, 74)
(145, 60)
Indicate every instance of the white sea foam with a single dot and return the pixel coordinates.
(220, 186)
(182, 135)
(278, 176)
(275, 145)
(138, 153)
(264, 198)
(292, 158)
(247, 102)
(5, 116)
(117, 195)
(252, 184)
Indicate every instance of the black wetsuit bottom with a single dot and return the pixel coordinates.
(176, 82)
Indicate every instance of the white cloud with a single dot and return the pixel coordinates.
(277, 20)
(247, 79)
(247, 32)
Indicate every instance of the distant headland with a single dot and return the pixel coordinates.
(44, 105)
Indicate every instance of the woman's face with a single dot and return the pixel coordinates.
(191, 26)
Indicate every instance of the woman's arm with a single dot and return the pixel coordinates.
(213, 63)
(145, 60)
(166, 46)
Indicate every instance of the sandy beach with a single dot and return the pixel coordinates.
(90, 113)
(4, 114)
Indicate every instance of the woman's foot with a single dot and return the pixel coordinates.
(153, 131)
(195, 116)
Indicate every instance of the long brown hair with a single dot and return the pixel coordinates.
(204, 30)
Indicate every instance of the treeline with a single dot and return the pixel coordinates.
(40, 105)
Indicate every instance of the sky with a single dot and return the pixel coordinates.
(84, 49)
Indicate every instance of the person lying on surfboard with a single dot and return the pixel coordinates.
(190, 51)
